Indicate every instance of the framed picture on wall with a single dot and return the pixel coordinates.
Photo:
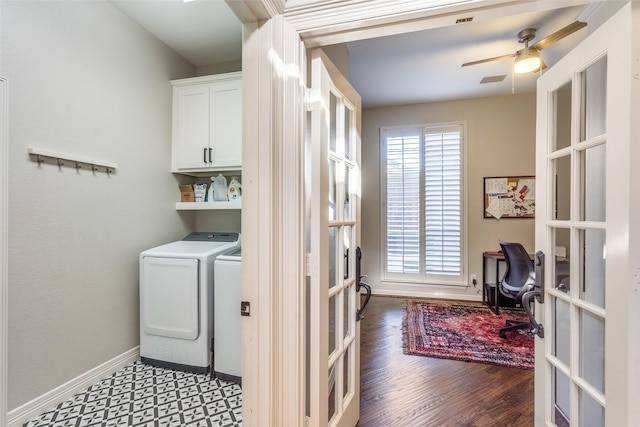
(509, 197)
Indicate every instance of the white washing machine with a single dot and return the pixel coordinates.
(176, 307)
(227, 338)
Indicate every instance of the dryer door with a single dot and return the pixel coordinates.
(169, 297)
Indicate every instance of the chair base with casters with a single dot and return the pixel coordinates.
(534, 328)
(517, 324)
(514, 325)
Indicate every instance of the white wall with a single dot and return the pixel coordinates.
(226, 67)
(83, 79)
(222, 220)
(500, 141)
(339, 55)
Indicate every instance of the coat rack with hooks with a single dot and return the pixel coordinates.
(78, 161)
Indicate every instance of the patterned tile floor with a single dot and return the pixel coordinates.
(143, 395)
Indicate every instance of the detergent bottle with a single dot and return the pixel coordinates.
(219, 185)
(233, 192)
(210, 193)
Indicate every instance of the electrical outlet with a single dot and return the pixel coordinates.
(474, 279)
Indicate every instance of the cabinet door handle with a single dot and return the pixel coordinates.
(204, 158)
(210, 156)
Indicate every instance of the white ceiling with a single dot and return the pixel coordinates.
(427, 65)
(408, 68)
(203, 32)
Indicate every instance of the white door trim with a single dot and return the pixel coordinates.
(273, 271)
(4, 237)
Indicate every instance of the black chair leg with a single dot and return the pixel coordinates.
(513, 325)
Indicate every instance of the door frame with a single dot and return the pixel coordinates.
(276, 34)
(4, 262)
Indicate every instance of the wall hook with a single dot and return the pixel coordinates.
(40, 155)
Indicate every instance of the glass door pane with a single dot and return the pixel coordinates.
(562, 190)
(346, 377)
(561, 337)
(333, 246)
(333, 123)
(348, 213)
(333, 322)
(591, 412)
(348, 127)
(333, 190)
(561, 261)
(592, 266)
(560, 396)
(333, 407)
(592, 349)
(594, 92)
(562, 117)
(593, 182)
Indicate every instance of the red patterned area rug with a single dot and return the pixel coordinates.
(465, 332)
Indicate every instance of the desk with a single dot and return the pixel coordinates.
(493, 267)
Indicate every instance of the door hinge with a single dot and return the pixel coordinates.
(310, 99)
(310, 266)
(245, 308)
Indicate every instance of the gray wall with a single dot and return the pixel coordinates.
(83, 79)
(500, 141)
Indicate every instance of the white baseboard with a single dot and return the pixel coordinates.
(415, 294)
(49, 400)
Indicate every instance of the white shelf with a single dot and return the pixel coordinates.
(205, 206)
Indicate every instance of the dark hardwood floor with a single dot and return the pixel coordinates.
(414, 391)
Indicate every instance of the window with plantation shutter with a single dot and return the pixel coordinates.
(422, 212)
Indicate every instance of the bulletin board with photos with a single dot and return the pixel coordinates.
(509, 197)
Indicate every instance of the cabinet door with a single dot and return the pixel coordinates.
(226, 124)
(191, 127)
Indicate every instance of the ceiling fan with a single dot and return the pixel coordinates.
(528, 58)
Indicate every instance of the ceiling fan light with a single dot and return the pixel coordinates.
(527, 60)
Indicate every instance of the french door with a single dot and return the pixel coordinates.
(582, 226)
(333, 207)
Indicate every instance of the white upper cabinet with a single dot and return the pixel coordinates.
(207, 123)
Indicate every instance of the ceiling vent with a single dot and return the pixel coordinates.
(493, 79)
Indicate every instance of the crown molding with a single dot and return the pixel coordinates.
(256, 10)
(324, 22)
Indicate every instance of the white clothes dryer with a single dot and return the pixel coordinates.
(176, 300)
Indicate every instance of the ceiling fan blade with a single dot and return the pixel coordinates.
(496, 58)
(559, 35)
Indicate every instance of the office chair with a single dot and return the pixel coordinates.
(518, 279)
